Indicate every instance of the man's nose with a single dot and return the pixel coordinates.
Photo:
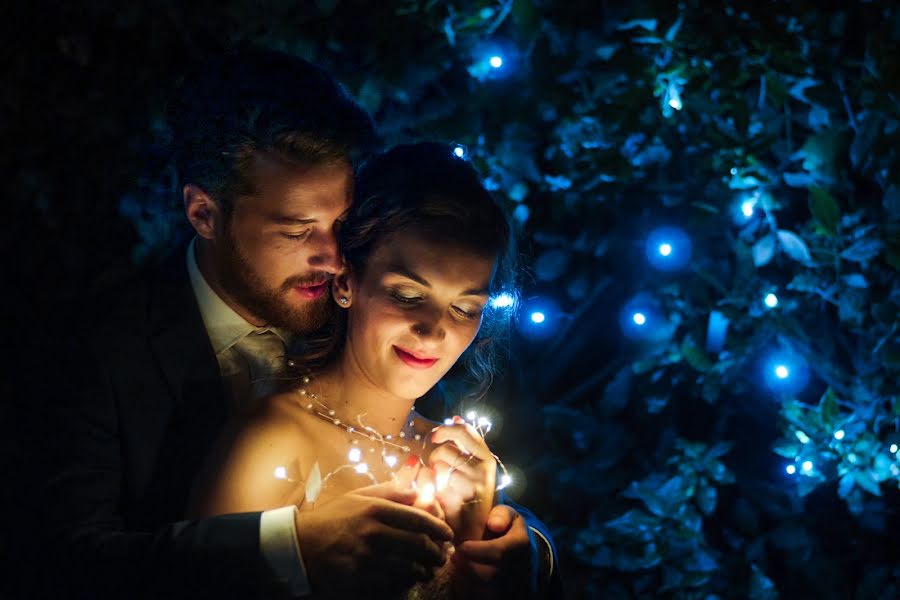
(325, 254)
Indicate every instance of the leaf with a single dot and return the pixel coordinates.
(846, 484)
(763, 251)
(824, 209)
(615, 396)
(866, 481)
(705, 496)
(798, 180)
(761, 587)
(863, 250)
(648, 24)
(829, 409)
(855, 280)
(673, 30)
(794, 246)
(694, 355)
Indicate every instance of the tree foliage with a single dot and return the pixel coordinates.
(764, 134)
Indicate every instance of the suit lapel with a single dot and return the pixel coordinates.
(181, 347)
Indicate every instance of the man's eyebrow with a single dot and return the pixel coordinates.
(292, 220)
(409, 274)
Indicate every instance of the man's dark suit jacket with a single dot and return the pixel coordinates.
(141, 405)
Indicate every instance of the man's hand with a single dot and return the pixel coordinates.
(505, 563)
(370, 542)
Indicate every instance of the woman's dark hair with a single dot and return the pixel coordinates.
(253, 101)
(426, 188)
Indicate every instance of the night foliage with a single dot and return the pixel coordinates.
(661, 465)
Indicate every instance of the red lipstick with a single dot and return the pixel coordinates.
(415, 360)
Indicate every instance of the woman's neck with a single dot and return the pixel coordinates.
(354, 397)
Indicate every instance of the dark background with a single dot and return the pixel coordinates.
(657, 458)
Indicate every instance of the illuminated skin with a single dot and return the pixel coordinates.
(272, 259)
(424, 299)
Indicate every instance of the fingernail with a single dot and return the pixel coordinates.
(458, 419)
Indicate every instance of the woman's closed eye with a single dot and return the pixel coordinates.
(468, 312)
(298, 236)
(405, 297)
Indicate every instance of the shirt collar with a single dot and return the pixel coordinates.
(223, 325)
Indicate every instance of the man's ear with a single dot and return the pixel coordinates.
(203, 213)
(342, 288)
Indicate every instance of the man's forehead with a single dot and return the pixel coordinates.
(288, 191)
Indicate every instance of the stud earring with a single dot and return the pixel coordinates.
(344, 301)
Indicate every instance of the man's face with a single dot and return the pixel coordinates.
(278, 252)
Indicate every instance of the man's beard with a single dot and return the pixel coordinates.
(241, 281)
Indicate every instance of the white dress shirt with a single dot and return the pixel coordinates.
(248, 358)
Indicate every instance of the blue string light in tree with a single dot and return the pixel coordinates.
(668, 248)
(785, 372)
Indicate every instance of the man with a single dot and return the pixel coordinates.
(265, 145)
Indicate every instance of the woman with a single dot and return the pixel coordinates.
(425, 247)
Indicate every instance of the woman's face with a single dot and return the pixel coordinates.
(414, 310)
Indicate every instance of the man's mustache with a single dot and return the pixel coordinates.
(307, 280)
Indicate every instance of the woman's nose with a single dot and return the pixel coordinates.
(429, 326)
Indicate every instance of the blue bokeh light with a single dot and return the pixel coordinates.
(785, 371)
(668, 248)
(538, 317)
(503, 300)
(496, 61)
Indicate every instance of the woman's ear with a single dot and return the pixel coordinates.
(341, 288)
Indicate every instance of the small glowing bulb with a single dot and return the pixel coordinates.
(505, 480)
(502, 300)
(675, 103)
(665, 249)
(747, 208)
(426, 494)
(807, 465)
(538, 317)
(734, 170)
(390, 460)
(496, 61)
(354, 455)
(471, 415)
(782, 372)
(791, 469)
(893, 448)
(483, 422)
(442, 479)
(804, 439)
(448, 421)
(459, 151)
(639, 318)
(839, 434)
(361, 468)
(771, 300)
(280, 473)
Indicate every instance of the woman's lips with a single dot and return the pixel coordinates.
(415, 360)
(311, 292)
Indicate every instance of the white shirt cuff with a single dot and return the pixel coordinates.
(279, 546)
